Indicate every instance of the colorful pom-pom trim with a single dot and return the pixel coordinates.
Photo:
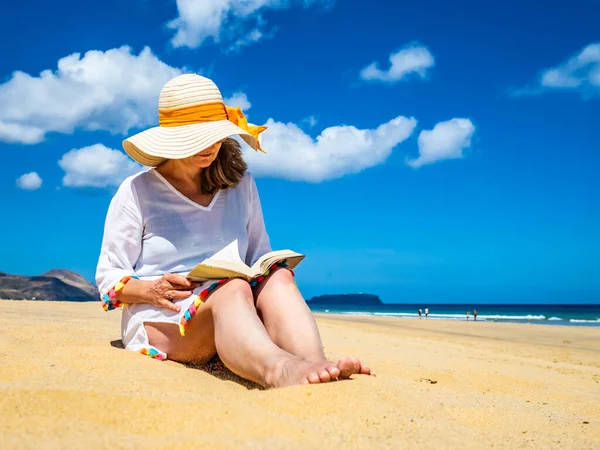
(191, 311)
(110, 300)
(202, 297)
(152, 353)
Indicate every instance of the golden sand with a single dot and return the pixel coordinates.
(439, 385)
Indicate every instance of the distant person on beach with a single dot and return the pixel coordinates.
(468, 315)
(475, 315)
(195, 200)
(420, 313)
(426, 312)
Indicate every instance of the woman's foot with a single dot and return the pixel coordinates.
(290, 372)
(352, 366)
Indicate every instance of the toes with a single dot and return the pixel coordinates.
(351, 366)
(334, 372)
(313, 378)
(344, 366)
(324, 376)
(364, 370)
(347, 367)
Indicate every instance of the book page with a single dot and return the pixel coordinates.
(230, 252)
(226, 263)
(267, 260)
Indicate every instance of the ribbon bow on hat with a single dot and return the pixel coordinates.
(235, 115)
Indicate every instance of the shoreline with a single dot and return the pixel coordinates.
(540, 322)
(532, 319)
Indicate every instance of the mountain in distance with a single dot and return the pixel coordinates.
(57, 284)
(346, 300)
(73, 279)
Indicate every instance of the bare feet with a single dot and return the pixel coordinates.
(289, 372)
(328, 371)
(292, 371)
(352, 366)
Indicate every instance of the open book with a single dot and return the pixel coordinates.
(227, 264)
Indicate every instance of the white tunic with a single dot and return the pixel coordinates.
(152, 229)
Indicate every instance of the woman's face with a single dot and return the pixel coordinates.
(205, 158)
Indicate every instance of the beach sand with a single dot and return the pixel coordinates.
(440, 384)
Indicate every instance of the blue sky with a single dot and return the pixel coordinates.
(466, 170)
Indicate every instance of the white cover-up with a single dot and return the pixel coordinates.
(152, 229)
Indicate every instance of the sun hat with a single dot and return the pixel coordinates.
(192, 117)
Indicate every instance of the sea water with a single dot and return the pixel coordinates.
(573, 315)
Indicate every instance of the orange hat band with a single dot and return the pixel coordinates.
(208, 112)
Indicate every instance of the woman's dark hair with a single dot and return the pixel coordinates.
(226, 171)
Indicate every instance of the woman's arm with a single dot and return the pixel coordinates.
(121, 248)
(258, 239)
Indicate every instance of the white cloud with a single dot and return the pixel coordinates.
(29, 181)
(239, 22)
(250, 38)
(311, 121)
(580, 73)
(16, 133)
(294, 155)
(410, 59)
(239, 99)
(447, 140)
(96, 166)
(113, 90)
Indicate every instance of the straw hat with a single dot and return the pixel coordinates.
(192, 117)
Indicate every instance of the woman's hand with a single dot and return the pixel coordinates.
(168, 289)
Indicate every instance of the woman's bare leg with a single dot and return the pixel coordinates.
(229, 324)
(291, 324)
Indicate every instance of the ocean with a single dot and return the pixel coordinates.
(572, 315)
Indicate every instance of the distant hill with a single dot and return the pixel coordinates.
(346, 300)
(73, 279)
(57, 284)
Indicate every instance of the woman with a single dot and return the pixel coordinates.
(197, 199)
